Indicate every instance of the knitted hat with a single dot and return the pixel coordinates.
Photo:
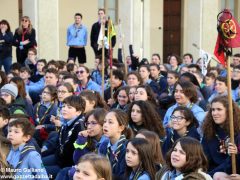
(10, 89)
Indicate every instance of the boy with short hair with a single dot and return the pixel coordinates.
(72, 111)
(41, 63)
(23, 156)
(25, 74)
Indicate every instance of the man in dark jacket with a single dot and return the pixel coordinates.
(95, 33)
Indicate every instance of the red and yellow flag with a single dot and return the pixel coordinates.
(228, 35)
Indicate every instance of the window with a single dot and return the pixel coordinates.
(111, 7)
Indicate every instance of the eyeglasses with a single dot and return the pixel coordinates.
(91, 123)
(31, 54)
(177, 118)
(122, 96)
(81, 72)
(61, 92)
(24, 20)
(45, 92)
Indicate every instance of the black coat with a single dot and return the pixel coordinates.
(94, 37)
(6, 46)
(17, 38)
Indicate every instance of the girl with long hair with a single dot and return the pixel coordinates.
(154, 141)
(183, 123)
(142, 115)
(139, 160)
(93, 100)
(115, 127)
(216, 135)
(122, 98)
(185, 160)
(83, 75)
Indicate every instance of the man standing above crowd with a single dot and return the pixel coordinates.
(77, 40)
(95, 33)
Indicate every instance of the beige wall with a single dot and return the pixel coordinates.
(237, 16)
(156, 21)
(9, 11)
(126, 24)
(190, 26)
(199, 25)
(52, 17)
(67, 9)
(209, 25)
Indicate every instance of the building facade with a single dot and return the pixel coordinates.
(152, 26)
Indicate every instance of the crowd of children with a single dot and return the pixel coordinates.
(148, 121)
(67, 130)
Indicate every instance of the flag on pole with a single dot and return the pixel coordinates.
(206, 57)
(228, 35)
(111, 30)
(102, 37)
(219, 51)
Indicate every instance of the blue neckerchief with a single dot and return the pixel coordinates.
(149, 81)
(114, 146)
(77, 27)
(173, 174)
(19, 148)
(47, 105)
(69, 122)
(14, 155)
(98, 143)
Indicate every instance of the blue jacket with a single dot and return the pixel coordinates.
(91, 85)
(35, 87)
(120, 167)
(197, 111)
(97, 77)
(27, 163)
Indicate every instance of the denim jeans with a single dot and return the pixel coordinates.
(6, 63)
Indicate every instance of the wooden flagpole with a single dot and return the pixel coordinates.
(103, 55)
(110, 54)
(233, 156)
